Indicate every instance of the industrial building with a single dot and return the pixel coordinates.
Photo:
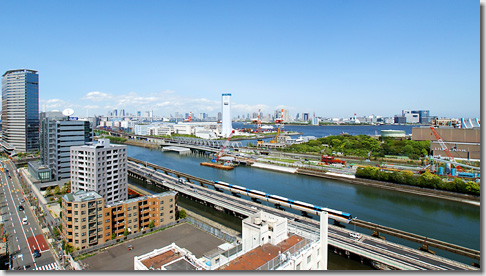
(86, 221)
(462, 143)
(102, 168)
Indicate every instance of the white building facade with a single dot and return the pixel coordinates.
(226, 125)
(102, 168)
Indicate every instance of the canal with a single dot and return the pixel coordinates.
(435, 218)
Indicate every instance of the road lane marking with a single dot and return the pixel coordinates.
(18, 246)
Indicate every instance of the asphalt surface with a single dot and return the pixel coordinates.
(23, 239)
(118, 257)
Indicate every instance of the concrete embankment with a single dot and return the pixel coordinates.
(274, 167)
(469, 199)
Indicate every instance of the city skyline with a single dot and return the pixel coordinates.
(334, 58)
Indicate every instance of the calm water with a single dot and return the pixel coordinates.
(440, 219)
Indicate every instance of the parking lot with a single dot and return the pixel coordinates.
(184, 235)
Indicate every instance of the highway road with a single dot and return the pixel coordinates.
(23, 237)
(376, 249)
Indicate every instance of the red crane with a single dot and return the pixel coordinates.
(226, 143)
(444, 148)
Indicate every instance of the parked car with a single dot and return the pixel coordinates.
(24, 221)
(21, 208)
(355, 235)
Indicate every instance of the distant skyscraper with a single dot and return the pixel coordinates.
(122, 112)
(305, 116)
(115, 113)
(20, 109)
(220, 116)
(226, 125)
(139, 114)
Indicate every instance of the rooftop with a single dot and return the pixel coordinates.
(81, 196)
(261, 255)
(19, 71)
(173, 193)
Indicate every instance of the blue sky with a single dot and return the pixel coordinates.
(334, 58)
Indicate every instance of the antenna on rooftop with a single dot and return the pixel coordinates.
(68, 112)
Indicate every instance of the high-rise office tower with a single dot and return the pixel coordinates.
(57, 135)
(102, 168)
(226, 125)
(20, 109)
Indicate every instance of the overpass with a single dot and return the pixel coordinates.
(386, 253)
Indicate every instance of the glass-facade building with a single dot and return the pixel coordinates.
(20, 109)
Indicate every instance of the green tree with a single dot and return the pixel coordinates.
(152, 224)
(125, 233)
(113, 236)
(48, 191)
(182, 213)
(57, 190)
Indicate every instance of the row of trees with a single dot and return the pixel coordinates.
(425, 180)
(362, 145)
(66, 188)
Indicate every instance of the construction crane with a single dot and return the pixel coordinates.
(188, 118)
(258, 122)
(225, 144)
(445, 149)
(280, 123)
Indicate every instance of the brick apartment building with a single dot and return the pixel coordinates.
(87, 221)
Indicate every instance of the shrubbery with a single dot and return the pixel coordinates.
(361, 145)
(425, 180)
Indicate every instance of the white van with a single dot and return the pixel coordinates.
(355, 235)
(24, 221)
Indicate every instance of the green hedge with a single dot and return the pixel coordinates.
(425, 180)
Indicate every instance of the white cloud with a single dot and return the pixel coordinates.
(97, 96)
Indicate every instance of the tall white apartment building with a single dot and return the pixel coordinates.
(102, 168)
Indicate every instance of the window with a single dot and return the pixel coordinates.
(129, 215)
(75, 205)
(107, 221)
(129, 208)
(83, 234)
(76, 234)
(107, 227)
(83, 227)
(107, 214)
(297, 267)
(162, 208)
(83, 205)
(76, 227)
(75, 213)
(170, 200)
(309, 259)
(130, 221)
(161, 202)
(161, 220)
(107, 234)
(75, 219)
